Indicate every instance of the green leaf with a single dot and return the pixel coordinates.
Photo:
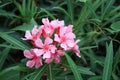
(82, 0)
(116, 26)
(115, 77)
(86, 71)
(108, 62)
(19, 8)
(3, 56)
(11, 75)
(13, 41)
(73, 68)
(47, 12)
(26, 26)
(95, 78)
(61, 10)
(88, 47)
(50, 76)
(7, 14)
(70, 10)
(38, 73)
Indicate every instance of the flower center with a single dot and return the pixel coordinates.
(46, 47)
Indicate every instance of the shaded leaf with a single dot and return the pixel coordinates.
(73, 68)
(116, 26)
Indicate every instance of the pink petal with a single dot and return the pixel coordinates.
(28, 54)
(48, 40)
(70, 43)
(47, 55)
(57, 38)
(38, 52)
(76, 50)
(30, 64)
(62, 31)
(48, 30)
(70, 35)
(57, 59)
(40, 29)
(61, 23)
(49, 60)
(24, 39)
(64, 46)
(38, 63)
(53, 48)
(54, 24)
(34, 30)
(28, 35)
(69, 28)
(39, 43)
(45, 21)
(60, 52)
(77, 41)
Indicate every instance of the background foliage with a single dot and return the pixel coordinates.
(96, 24)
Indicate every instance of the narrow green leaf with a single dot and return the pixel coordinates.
(115, 77)
(3, 56)
(116, 59)
(7, 14)
(19, 8)
(13, 41)
(116, 26)
(95, 78)
(48, 13)
(62, 10)
(38, 73)
(88, 47)
(86, 71)
(82, 0)
(107, 7)
(50, 77)
(70, 10)
(73, 68)
(108, 62)
(24, 6)
(11, 75)
(10, 46)
(26, 26)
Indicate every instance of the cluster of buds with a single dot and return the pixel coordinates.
(50, 41)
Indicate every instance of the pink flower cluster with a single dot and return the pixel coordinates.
(50, 40)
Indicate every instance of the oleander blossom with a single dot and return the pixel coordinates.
(50, 41)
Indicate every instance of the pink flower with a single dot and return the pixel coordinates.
(34, 56)
(55, 56)
(46, 48)
(50, 40)
(65, 38)
(56, 24)
(31, 36)
(48, 29)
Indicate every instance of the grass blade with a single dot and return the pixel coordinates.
(70, 10)
(73, 68)
(3, 56)
(50, 73)
(39, 73)
(13, 41)
(108, 62)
